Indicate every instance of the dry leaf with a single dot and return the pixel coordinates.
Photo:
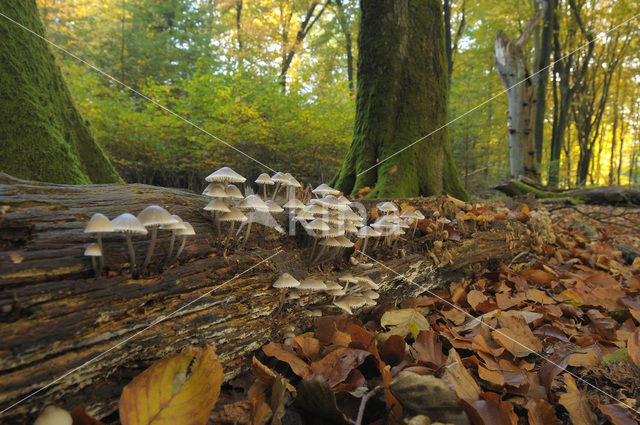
(282, 353)
(427, 349)
(459, 378)
(393, 349)
(306, 347)
(399, 320)
(173, 390)
(541, 412)
(336, 366)
(617, 415)
(576, 403)
(633, 347)
(81, 417)
(490, 410)
(516, 336)
(266, 375)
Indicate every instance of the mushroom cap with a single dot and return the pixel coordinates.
(344, 241)
(371, 294)
(343, 305)
(99, 223)
(293, 296)
(304, 215)
(52, 415)
(176, 226)
(315, 208)
(225, 174)
(312, 284)
(334, 232)
(293, 204)
(331, 202)
(128, 223)
(337, 292)
(273, 206)
(280, 177)
(354, 301)
(330, 242)
(286, 281)
(187, 231)
(420, 215)
(233, 192)
(348, 277)
(331, 284)
(368, 232)
(93, 250)
(265, 179)
(366, 282)
(215, 190)
(234, 215)
(253, 202)
(316, 312)
(325, 189)
(155, 215)
(368, 301)
(217, 205)
(293, 182)
(343, 200)
(410, 214)
(318, 224)
(383, 223)
(351, 215)
(387, 207)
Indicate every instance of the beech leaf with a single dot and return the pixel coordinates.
(181, 388)
(399, 320)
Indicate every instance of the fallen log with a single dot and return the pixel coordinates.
(55, 315)
(604, 195)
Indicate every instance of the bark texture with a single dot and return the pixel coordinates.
(401, 96)
(511, 65)
(42, 135)
(55, 315)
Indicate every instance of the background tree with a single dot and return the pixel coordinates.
(42, 135)
(401, 96)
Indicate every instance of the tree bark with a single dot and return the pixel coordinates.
(401, 97)
(543, 56)
(42, 135)
(512, 68)
(56, 315)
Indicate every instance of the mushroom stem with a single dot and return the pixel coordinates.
(132, 253)
(94, 263)
(173, 240)
(264, 191)
(226, 242)
(184, 241)
(283, 292)
(275, 191)
(154, 233)
(415, 226)
(246, 236)
(313, 250)
(364, 247)
(216, 220)
(320, 254)
(102, 256)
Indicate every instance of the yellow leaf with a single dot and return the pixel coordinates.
(171, 392)
(399, 320)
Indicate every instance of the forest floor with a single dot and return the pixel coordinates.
(577, 306)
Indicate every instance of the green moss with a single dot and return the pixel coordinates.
(540, 194)
(401, 96)
(42, 135)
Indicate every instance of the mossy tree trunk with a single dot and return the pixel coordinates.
(42, 135)
(401, 96)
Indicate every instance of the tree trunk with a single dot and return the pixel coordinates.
(543, 56)
(512, 68)
(401, 97)
(42, 135)
(55, 315)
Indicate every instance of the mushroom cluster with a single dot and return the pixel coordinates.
(358, 291)
(391, 224)
(153, 217)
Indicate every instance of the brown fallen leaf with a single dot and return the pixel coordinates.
(282, 353)
(586, 357)
(633, 347)
(336, 366)
(541, 412)
(174, 392)
(427, 349)
(306, 347)
(504, 373)
(490, 410)
(393, 349)
(539, 277)
(516, 336)
(559, 362)
(617, 415)
(475, 298)
(576, 403)
(604, 325)
(459, 378)
(81, 417)
(264, 374)
(480, 343)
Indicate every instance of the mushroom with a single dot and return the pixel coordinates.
(99, 224)
(216, 207)
(323, 190)
(234, 215)
(154, 216)
(233, 192)
(128, 224)
(265, 180)
(279, 178)
(52, 415)
(366, 232)
(284, 282)
(412, 217)
(312, 285)
(187, 231)
(387, 207)
(292, 185)
(174, 228)
(273, 206)
(225, 175)
(94, 251)
(254, 203)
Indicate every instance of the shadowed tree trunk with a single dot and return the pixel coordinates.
(42, 135)
(401, 96)
(543, 56)
(512, 68)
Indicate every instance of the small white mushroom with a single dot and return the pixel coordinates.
(129, 225)
(284, 282)
(99, 224)
(52, 415)
(154, 216)
(366, 232)
(264, 180)
(174, 228)
(94, 251)
(187, 231)
(225, 175)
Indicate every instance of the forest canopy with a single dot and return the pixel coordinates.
(276, 80)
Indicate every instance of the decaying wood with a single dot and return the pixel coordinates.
(55, 315)
(605, 195)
